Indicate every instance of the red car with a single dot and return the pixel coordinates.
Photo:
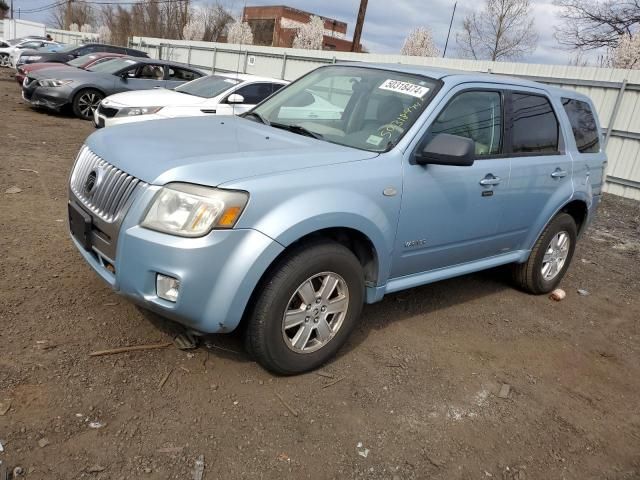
(84, 61)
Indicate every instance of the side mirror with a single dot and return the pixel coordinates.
(235, 98)
(446, 149)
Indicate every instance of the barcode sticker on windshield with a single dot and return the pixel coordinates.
(404, 87)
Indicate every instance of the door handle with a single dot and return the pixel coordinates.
(558, 173)
(208, 110)
(489, 180)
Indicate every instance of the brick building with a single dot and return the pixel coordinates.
(277, 25)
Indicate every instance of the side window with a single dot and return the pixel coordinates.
(275, 87)
(476, 115)
(180, 75)
(151, 72)
(534, 126)
(583, 125)
(255, 92)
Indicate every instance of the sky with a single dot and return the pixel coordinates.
(387, 22)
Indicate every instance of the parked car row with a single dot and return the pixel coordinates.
(113, 85)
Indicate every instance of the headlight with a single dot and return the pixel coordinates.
(190, 210)
(133, 111)
(32, 58)
(52, 82)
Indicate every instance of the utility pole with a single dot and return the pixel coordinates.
(449, 32)
(11, 16)
(355, 45)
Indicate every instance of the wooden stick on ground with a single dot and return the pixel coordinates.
(133, 348)
(293, 411)
(164, 379)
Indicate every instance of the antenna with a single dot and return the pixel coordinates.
(233, 105)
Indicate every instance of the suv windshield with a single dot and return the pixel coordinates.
(112, 66)
(207, 87)
(365, 108)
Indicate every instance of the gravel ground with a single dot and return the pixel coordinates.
(415, 394)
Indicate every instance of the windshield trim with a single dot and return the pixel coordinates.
(438, 83)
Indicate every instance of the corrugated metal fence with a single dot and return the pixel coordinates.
(616, 93)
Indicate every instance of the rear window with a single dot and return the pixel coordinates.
(534, 127)
(583, 124)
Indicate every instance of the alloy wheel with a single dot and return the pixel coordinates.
(315, 312)
(555, 255)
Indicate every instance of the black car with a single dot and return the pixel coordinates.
(72, 51)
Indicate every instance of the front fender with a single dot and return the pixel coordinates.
(288, 222)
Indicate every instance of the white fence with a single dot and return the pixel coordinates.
(73, 38)
(20, 28)
(615, 92)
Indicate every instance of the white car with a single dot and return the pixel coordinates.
(15, 48)
(230, 94)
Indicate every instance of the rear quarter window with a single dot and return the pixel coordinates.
(583, 125)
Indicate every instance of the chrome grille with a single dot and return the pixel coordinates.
(100, 186)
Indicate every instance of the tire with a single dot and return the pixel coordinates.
(85, 102)
(530, 276)
(4, 60)
(284, 350)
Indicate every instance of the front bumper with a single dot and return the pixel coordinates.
(217, 273)
(53, 98)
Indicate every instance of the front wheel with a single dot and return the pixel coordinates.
(306, 308)
(550, 256)
(4, 60)
(85, 102)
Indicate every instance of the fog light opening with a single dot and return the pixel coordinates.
(167, 288)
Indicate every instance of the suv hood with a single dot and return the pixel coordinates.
(212, 150)
(156, 97)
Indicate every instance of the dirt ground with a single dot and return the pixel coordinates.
(414, 394)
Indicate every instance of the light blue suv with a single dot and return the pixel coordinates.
(355, 181)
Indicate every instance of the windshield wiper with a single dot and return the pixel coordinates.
(297, 129)
(258, 116)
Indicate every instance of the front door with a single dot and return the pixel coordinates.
(450, 214)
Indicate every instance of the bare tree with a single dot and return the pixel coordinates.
(503, 30)
(310, 36)
(80, 13)
(86, 28)
(4, 9)
(194, 29)
(589, 25)
(419, 43)
(240, 32)
(104, 34)
(216, 19)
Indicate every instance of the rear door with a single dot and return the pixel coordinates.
(541, 168)
(450, 214)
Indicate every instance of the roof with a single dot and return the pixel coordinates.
(462, 76)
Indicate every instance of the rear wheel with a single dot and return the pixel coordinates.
(85, 102)
(306, 309)
(550, 257)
